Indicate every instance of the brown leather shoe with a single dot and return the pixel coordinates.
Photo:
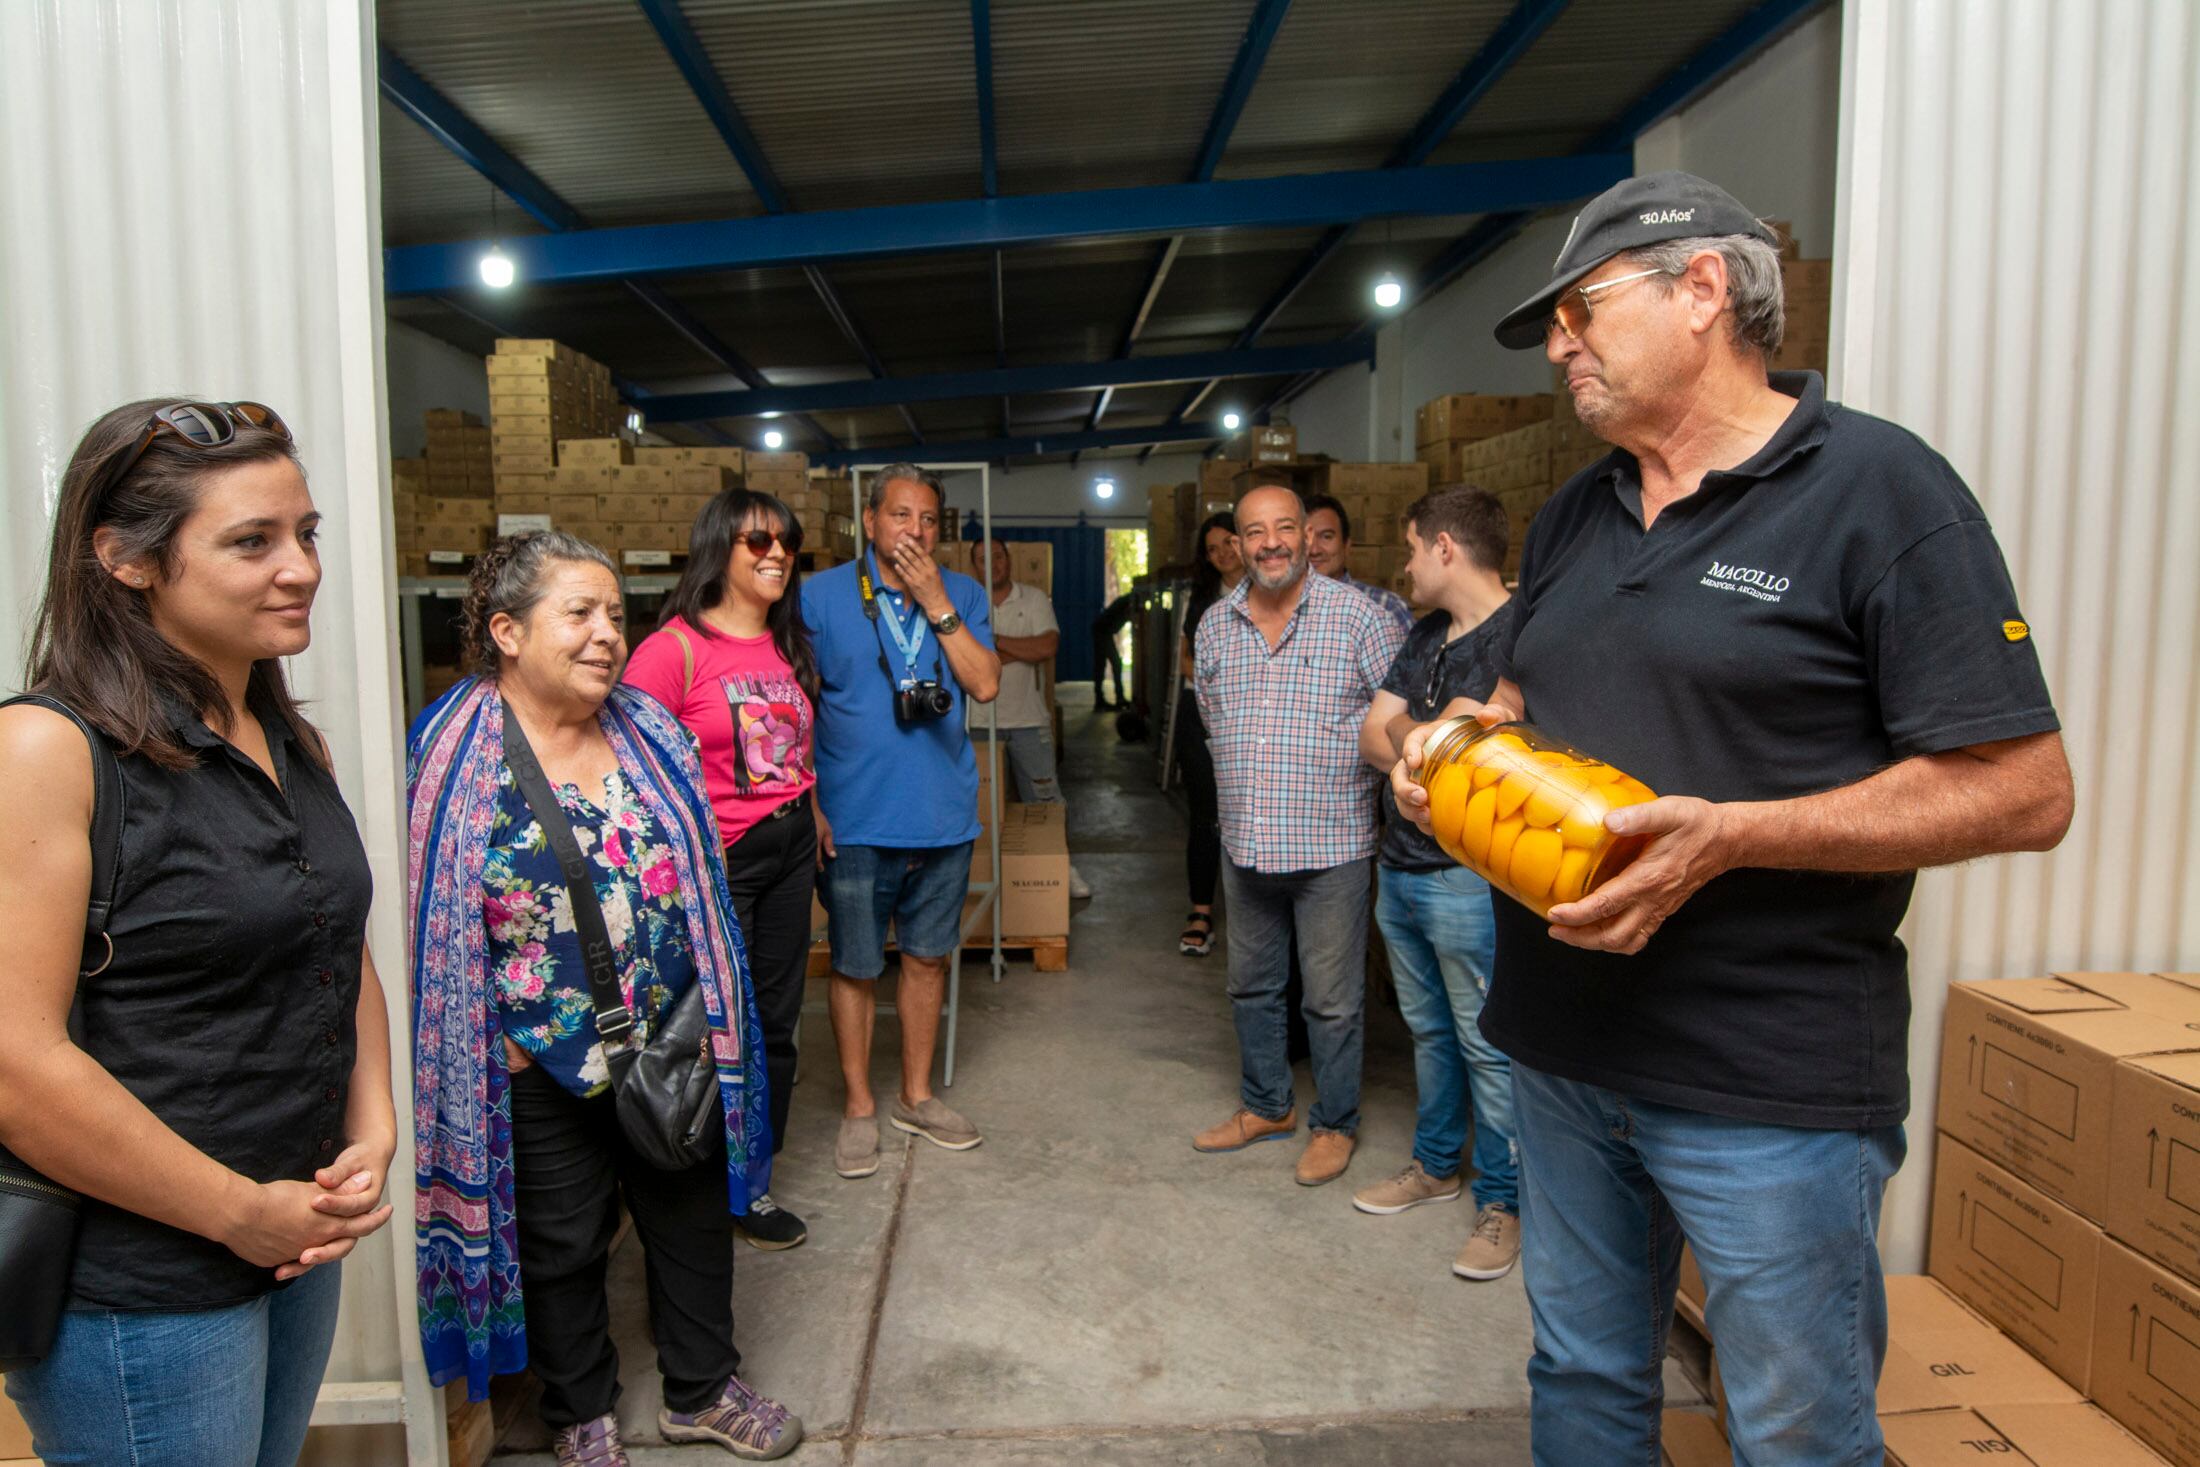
(1243, 1129)
(1326, 1156)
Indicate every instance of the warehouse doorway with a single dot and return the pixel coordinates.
(1127, 558)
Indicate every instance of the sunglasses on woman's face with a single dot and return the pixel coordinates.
(760, 542)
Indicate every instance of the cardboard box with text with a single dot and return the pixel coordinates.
(2154, 1160)
(2062, 1435)
(2146, 1352)
(1941, 1355)
(2017, 1256)
(1034, 870)
(2027, 1065)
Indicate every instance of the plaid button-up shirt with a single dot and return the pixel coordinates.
(1284, 725)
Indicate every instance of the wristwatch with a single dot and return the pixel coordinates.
(948, 625)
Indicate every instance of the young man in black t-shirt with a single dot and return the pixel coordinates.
(1791, 620)
(1434, 913)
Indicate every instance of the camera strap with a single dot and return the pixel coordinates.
(909, 640)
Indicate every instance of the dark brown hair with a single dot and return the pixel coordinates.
(93, 645)
(702, 583)
(508, 578)
(1206, 580)
(1473, 518)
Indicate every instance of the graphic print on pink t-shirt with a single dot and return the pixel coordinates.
(771, 725)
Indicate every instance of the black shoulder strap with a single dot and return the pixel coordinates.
(614, 1020)
(108, 808)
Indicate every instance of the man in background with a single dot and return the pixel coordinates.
(901, 645)
(1435, 914)
(1027, 636)
(1329, 551)
(1285, 668)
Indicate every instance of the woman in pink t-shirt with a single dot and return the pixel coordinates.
(732, 659)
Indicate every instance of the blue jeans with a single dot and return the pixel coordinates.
(229, 1387)
(1029, 754)
(1328, 909)
(919, 890)
(1784, 1222)
(1442, 938)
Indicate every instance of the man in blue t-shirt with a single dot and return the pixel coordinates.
(900, 643)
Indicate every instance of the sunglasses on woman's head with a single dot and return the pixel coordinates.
(203, 425)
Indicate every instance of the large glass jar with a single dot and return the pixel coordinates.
(1525, 812)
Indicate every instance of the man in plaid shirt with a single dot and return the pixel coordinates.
(1285, 668)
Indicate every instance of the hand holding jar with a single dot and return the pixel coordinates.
(1525, 812)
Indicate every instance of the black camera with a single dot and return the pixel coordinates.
(914, 702)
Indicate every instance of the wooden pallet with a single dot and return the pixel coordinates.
(1048, 954)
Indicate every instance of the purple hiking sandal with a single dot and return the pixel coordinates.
(591, 1444)
(743, 1422)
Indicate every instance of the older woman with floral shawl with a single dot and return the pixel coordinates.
(521, 1162)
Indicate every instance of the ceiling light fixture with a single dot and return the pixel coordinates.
(497, 271)
(1231, 422)
(1104, 488)
(1388, 292)
(774, 439)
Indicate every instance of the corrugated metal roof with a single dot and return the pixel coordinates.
(872, 102)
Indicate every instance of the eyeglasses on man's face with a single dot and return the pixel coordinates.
(1572, 312)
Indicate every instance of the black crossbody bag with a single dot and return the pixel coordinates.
(666, 1093)
(38, 1218)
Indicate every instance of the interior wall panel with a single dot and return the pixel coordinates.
(2018, 281)
(194, 208)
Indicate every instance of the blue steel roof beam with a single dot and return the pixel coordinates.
(861, 393)
(1497, 55)
(1285, 202)
(990, 449)
(1237, 90)
(1751, 34)
(706, 341)
(686, 49)
(410, 93)
(1722, 55)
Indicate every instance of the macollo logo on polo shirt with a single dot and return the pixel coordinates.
(1759, 585)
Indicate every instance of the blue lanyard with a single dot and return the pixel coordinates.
(909, 642)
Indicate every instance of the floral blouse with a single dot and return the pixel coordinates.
(535, 963)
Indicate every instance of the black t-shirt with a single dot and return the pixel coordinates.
(1429, 673)
(1830, 607)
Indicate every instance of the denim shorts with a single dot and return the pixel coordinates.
(920, 891)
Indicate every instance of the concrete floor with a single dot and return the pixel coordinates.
(1084, 1287)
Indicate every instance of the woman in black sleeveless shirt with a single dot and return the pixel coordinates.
(225, 1107)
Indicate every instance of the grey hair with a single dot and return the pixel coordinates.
(1754, 306)
(508, 579)
(906, 471)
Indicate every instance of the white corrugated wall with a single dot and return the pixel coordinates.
(2019, 282)
(192, 205)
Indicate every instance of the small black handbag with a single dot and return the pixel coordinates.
(666, 1093)
(38, 1218)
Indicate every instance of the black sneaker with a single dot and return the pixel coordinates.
(770, 1226)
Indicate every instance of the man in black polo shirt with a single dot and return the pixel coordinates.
(1792, 621)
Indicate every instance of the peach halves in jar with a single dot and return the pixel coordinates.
(1525, 812)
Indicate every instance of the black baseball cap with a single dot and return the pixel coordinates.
(1628, 215)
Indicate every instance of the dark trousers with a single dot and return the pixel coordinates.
(1107, 658)
(570, 1165)
(1327, 911)
(1203, 848)
(772, 872)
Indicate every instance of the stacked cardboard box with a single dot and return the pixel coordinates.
(1274, 444)
(1807, 286)
(2066, 1205)
(1034, 864)
(458, 464)
(541, 391)
(1172, 519)
(436, 533)
(15, 1437)
(778, 474)
(1444, 426)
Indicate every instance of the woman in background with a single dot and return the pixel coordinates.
(732, 660)
(1215, 574)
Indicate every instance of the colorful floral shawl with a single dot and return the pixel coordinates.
(471, 1320)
